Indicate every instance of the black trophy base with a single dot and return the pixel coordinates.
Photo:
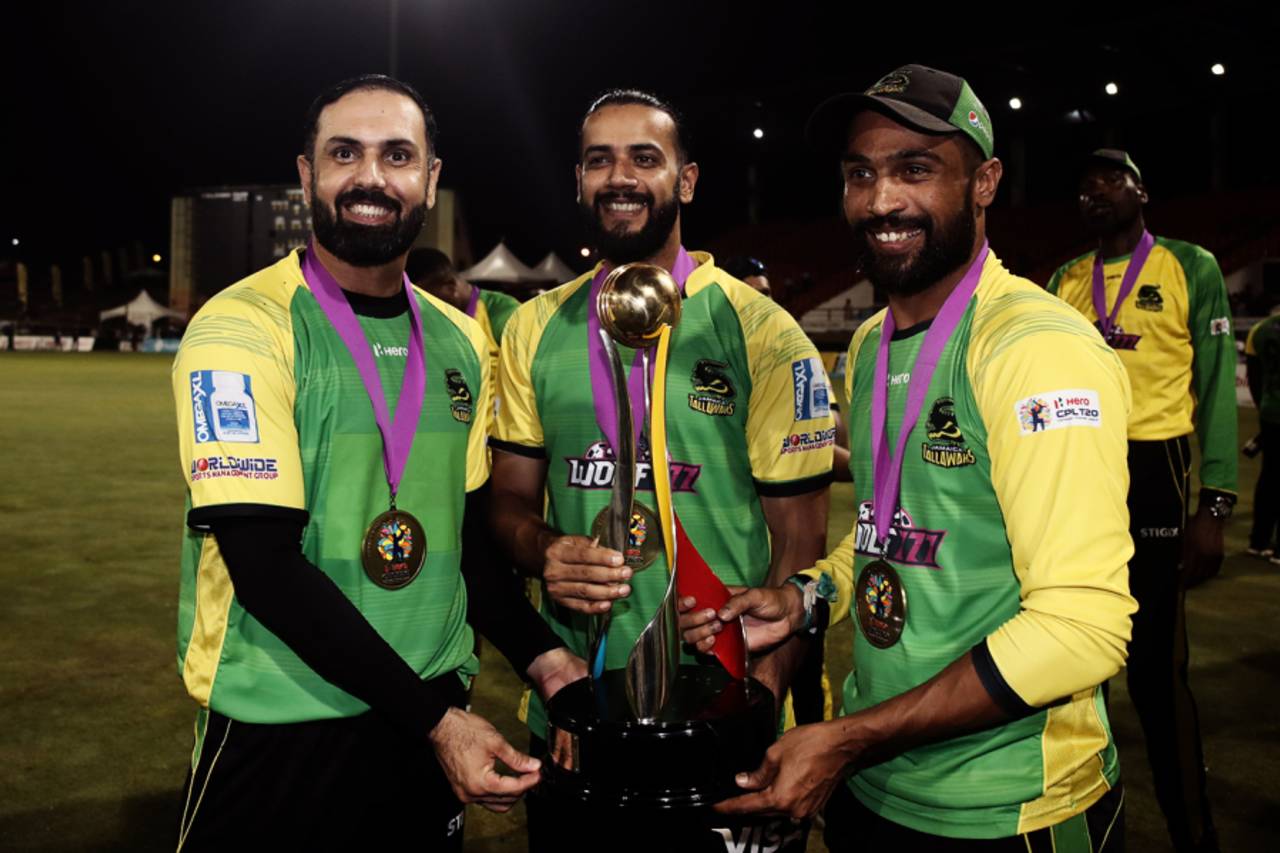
(602, 760)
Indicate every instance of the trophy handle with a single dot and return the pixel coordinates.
(620, 499)
(655, 658)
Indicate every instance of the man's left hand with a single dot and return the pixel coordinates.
(1202, 547)
(553, 669)
(798, 774)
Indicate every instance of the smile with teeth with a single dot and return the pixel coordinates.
(365, 209)
(624, 207)
(895, 236)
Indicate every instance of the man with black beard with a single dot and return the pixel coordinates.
(334, 554)
(748, 422)
(1162, 306)
(986, 567)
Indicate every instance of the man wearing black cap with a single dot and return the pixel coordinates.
(1162, 305)
(987, 621)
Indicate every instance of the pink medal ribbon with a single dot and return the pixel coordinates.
(887, 472)
(397, 433)
(1107, 321)
(606, 409)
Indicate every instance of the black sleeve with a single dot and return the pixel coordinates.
(496, 603)
(298, 603)
(1253, 373)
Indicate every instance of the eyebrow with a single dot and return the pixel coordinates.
(637, 148)
(386, 143)
(904, 154)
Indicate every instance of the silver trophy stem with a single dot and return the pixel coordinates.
(655, 657)
(624, 475)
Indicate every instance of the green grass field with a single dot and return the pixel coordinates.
(95, 727)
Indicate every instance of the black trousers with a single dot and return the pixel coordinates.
(346, 784)
(854, 828)
(1266, 495)
(1157, 667)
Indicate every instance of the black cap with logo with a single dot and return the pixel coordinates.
(922, 98)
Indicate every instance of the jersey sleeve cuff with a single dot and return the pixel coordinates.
(201, 518)
(791, 488)
(999, 690)
(518, 449)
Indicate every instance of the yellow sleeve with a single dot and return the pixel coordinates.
(233, 387)
(1055, 401)
(1249, 348)
(517, 422)
(790, 431)
(478, 439)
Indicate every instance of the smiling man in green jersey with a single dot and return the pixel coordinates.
(748, 413)
(1162, 306)
(333, 552)
(986, 567)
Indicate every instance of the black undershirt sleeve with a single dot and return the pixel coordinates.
(298, 603)
(496, 603)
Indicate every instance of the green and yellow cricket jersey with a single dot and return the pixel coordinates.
(747, 416)
(1174, 336)
(273, 420)
(1013, 532)
(1263, 343)
(493, 310)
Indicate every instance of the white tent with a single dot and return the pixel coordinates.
(142, 310)
(555, 269)
(501, 265)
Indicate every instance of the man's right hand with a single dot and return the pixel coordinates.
(582, 576)
(469, 749)
(771, 614)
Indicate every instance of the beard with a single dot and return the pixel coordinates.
(364, 245)
(946, 247)
(621, 246)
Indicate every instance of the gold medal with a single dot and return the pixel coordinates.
(881, 602)
(644, 535)
(394, 549)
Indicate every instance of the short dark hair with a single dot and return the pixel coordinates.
(743, 266)
(335, 92)
(623, 97)
(426, 264)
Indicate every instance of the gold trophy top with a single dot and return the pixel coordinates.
(635, 302)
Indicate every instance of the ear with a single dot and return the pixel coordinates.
(433, 179)
(577, 178)
(304, 175)
(688, 180)
(986, 180)
(1142, 194)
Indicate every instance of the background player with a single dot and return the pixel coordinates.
(1163, 308)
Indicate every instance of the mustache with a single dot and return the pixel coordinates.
(356, 195)
(893, 222)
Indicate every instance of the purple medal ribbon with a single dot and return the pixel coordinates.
(887, 472)
(606, 416)
(397, 434)
(473, 301)
(1107, 321)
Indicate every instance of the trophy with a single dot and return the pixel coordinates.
(657, 739)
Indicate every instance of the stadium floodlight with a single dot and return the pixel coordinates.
(585, 252)
(15, 241)
(155, 259)
(1111, 89)
(1015, 103)
(1218, 69)
(758, 133)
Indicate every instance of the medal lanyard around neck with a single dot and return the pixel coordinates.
(886, 472)
(397, 433)
(1107, 321)
(606, 409)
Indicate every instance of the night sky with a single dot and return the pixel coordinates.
(114, 107)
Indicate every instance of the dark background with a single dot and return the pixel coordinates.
(112, 108)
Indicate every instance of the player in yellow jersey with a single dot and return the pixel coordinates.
(1162, 305)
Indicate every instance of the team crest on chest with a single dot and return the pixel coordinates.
(945, 446)
(1149, 298)
(713, 391)
(461, 403)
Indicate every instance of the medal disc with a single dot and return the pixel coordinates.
(395, 546)
(644, 535)
(881, 601)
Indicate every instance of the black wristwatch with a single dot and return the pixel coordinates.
(1219, 504)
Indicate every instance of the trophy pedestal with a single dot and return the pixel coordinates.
(605, 765)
